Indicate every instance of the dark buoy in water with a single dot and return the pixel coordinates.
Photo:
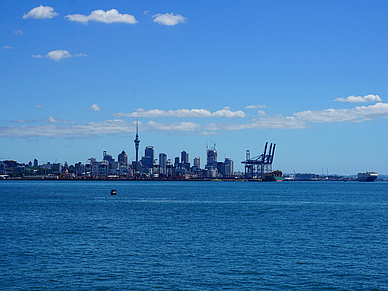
(113, 192)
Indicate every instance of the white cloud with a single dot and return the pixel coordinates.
(83, 130)
(359, 99)
(181, 126)
(18, 32)
(208, 133)
(109, 16)
(67, 145)
(41, 12)
(140, 112)
(357, 114)
(95, 107)
(57, 55)
(58, 120)
(261, 112)
(39, 106)
(212, 127)
(169, 19)
(62, 128)
(277, 122)
(257, 106)
(8, 47)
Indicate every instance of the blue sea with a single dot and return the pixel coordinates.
(68, 235)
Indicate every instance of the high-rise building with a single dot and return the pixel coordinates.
(163, 162)
(36, 163)
(107, 157)
(184, 157)
(176, 162)
(229, 167)
(123, 159)
(197, 163)
(185, 161)
(149, 157)
(211, 155)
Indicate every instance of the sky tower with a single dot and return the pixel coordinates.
(137, 142)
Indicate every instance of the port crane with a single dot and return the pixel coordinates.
(258, 166)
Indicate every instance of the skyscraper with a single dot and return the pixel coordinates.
(107, 157)
(229, 167)
(197, 163)
(184, 157)
(123, 159)
(185, 161)
(176, 162)
(163, 162)
(149, 157)
(211, 155)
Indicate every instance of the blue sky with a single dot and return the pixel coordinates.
(309, 76)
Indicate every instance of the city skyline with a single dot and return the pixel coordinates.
(308, 76)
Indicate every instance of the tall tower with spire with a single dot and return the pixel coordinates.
(137, 143)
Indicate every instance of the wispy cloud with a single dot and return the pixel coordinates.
(208, 133)
(212, 127)
(41, 12)
(25, 121)
(39, 106)
(108, 17)
(18, 32)
(276, 122)
(83, 130)
(175, 127)
(95, 107)
(196, 113)
(58, 120)
(169, 19)
(360, 99)
(37, 56)
(357, 114)
(63, 128)
(8, 47)
(257, 106)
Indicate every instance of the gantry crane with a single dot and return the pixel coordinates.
(257, 167)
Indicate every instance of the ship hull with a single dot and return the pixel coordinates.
(273, 179)
(367, 177)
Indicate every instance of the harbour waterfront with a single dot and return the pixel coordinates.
(58, 235)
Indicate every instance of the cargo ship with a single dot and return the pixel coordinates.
(275, 176)
(367, 177)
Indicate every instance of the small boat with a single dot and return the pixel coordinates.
(113, 192)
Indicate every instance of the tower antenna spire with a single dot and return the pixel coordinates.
(137, 143)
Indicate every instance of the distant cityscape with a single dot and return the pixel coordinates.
(150, 168)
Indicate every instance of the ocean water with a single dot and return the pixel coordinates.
(58, 235)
